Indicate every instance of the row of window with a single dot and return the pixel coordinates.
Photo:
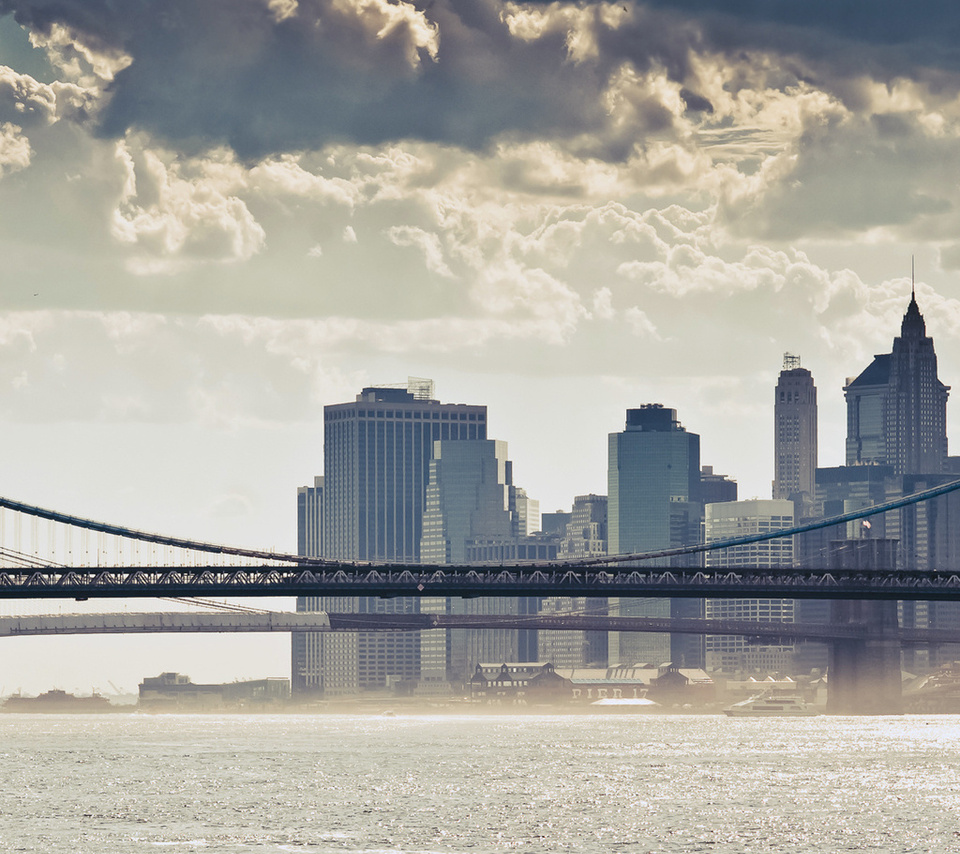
(408, 415)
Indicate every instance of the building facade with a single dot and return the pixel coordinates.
(323, 664)
(897, 408)
(524, 511)
(653, 479)
(377, 452)
(468, 501)
(715, 488)
(930, 539)
(585, 536)
(732, 653)
(795, 432)
(468, 497)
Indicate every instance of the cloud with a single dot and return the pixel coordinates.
(775, 125)
(265, 78)
(930, 26)
(172, 219)
(14, 149)
(603, 304)
(849, 173)
(25, 101)
(624, 157)
(639, 323)
(427, 243)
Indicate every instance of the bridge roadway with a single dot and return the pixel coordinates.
(136, 623)
(388, 581)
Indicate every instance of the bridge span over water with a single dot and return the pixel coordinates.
(62, 562)
(326, 579)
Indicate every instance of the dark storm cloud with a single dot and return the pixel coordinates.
(229, 71)
(885, 22)
(884, 38)
(239, 73)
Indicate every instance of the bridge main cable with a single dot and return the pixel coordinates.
(158, 539)
(854, 515)
(281, 557)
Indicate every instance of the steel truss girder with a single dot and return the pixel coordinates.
(473, 581)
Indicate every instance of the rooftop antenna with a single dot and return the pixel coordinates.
(913, 278)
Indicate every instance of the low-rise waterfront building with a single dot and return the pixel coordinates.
(176, 692)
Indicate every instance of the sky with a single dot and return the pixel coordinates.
(217, 217)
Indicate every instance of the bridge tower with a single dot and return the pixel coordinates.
(864, 674)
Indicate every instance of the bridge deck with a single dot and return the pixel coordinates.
(475, 581)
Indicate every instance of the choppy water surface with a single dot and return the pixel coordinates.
(120, 784)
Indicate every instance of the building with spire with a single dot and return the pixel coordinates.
(897, 408)
(896, 445)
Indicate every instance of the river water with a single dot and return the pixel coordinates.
(116, 784)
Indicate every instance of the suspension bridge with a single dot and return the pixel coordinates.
(45, 554)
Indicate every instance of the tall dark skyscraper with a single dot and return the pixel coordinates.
(897, 408)
(795, 431)
(653, 478)
(653, 475)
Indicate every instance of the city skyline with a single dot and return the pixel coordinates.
(646, 410)
(561, 211)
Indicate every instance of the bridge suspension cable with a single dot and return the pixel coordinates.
(17, 557)
(866, 512)
(215, 605)
(146, 536)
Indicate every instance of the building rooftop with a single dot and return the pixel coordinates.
(876, 373)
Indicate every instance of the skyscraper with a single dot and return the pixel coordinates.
(896, 444)
(715, 488)
(795, 431)
(310, 519)
(468, 496)
(653, 474)
(897, 408)
(653, 479)
(377, 452)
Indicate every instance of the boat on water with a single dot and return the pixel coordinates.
(771, 705)
(58, 702)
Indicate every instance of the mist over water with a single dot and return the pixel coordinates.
(485, 783)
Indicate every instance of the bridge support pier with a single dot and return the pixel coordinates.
(864, 674)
